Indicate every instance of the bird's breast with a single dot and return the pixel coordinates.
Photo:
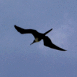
(36, 39)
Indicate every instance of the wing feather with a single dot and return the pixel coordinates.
(48, 43)
(24, 31)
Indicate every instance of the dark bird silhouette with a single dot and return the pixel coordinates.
(39, 36)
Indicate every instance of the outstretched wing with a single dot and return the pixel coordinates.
(24, 31)
(47, 31)
(47, 42)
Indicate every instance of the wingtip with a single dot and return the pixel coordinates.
(51, 29)
(64, 50)
(14, 25)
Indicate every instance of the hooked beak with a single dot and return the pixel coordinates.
(32, 42)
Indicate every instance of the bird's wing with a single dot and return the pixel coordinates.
(24, 31)
(47, 31)
(47, 42)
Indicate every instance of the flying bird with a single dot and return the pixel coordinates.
(38, 37)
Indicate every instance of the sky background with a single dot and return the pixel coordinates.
(20, 59)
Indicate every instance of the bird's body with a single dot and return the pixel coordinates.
(38, 37)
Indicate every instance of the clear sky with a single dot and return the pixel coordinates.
(20, 59)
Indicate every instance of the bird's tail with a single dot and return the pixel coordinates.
(47, 32)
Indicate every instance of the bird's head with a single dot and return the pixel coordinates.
(33, 42)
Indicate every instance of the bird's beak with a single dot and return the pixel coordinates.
(32, 42)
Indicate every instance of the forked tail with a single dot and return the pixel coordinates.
(47, 32)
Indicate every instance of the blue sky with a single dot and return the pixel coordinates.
(20, 59)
